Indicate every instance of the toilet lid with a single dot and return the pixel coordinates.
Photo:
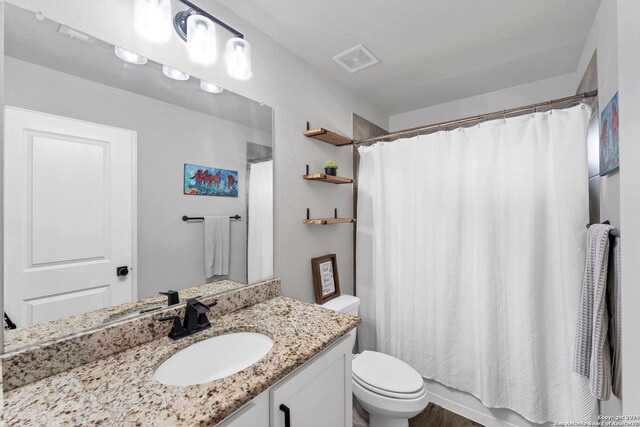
(387, 375)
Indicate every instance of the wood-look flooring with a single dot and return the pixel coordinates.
(437, 416)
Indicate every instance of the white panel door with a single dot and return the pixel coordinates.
(68, 216)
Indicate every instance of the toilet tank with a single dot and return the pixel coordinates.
(346, 304)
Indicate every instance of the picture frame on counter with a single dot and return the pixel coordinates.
(326, 283)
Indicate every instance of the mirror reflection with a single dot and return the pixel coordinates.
(124, 178)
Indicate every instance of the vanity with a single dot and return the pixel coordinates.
(303, 380)
(316, 394)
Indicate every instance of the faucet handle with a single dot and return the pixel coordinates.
(172, 296)
(177, 331)
(200, 307)
(196, 315)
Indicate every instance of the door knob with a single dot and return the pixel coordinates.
(122, 271)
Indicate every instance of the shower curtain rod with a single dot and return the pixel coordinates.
(503, 113)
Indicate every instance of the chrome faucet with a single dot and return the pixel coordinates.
(195, 319)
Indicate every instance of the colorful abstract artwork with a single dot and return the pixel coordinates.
(206, 181)
(609, 145)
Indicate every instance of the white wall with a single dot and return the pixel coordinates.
(628, 35)
(297, 92)
(540, 91)
(170, 252)
(603, 39)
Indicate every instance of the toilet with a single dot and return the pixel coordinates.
(390, 390)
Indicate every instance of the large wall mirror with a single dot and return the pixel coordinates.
(103, 159)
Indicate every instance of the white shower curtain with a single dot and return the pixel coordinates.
(470, 252)
(260, 233)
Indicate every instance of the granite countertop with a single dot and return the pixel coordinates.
(56, 329)
(120, 390)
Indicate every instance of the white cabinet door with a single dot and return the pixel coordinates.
(318, 394)
(68, 216)
(253, 414)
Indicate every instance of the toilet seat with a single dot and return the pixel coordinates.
(388, 393)
(387, 376)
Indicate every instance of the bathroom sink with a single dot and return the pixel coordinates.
(213, 358)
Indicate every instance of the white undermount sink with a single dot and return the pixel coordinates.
(213, 358)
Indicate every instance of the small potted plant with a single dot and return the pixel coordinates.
(330, 167)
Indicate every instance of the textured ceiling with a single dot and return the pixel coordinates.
(431, 51)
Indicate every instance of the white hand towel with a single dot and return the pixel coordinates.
(216, 246)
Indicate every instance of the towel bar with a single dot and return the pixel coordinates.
(201, 218)
(614, 232)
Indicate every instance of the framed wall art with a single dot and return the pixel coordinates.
(609, 140)
(208, 181)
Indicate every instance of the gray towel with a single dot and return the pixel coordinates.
(615, 311)
(592, 354)
(216, 246)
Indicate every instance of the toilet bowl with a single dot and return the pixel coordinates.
(390, 390)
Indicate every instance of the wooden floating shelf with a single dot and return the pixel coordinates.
(324, 135)
(325, 221)
(327, 178)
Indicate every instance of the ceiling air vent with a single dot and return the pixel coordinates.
(355, 59)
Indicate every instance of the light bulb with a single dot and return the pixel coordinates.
(210, 87)
(238, 58)
(201, 39)
(153, 20)
(174, 74)
(130, 57)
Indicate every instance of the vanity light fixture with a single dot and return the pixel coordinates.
(210, 87)
(197, 28)
(130, 57)
(201, 39)
(152, 20)
(238, 58)
(174, 74)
